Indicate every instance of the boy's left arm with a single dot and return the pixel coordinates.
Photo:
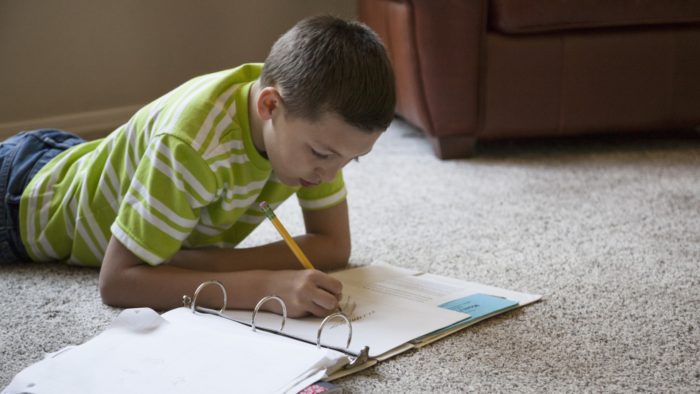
(326, 243)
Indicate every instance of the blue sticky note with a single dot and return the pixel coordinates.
(479, 305)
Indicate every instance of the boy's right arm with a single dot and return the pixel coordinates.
(126, 281)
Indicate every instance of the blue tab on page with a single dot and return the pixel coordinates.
(479, 305)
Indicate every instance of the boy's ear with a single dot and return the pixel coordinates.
(269, 100)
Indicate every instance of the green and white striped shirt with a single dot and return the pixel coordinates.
(182, 173)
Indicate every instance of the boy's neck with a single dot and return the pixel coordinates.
(254, 120)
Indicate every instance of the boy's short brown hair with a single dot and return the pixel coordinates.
(326, 64)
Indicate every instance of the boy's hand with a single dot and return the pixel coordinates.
(305, 292)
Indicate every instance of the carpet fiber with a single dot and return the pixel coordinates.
(606, 228)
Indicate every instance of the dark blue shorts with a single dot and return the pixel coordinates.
(21, 157)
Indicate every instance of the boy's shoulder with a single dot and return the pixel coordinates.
(248, 71)
(202, 111)
(244, 73)
(216, 88)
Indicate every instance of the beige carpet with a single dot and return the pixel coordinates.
(608, 229)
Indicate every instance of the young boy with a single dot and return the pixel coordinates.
(161, 203)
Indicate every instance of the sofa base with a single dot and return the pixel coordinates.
(453, 147)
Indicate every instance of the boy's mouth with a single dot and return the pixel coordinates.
(306, 183)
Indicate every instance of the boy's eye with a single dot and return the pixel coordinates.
(319, 154)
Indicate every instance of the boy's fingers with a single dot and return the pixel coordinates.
(330, 284)
(325, 300)
(323, 304)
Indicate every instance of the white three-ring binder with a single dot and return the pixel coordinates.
(386, 310)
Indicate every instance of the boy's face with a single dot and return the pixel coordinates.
(306, 153)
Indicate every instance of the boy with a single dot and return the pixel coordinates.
(161, 202)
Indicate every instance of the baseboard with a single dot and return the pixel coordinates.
(89, 125)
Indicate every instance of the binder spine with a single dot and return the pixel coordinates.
(359, 358)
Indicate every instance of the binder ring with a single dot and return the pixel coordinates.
(329, 318)
(193, 304)
(260, 304)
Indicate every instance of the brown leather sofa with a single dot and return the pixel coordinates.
(471, 70)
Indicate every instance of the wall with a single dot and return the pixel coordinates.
(87, 65)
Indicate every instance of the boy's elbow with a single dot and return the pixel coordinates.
(112, 286)
(114, 278)
(109, 291)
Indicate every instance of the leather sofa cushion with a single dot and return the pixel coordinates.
(534, 16)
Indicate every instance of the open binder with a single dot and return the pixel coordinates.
(386, 310)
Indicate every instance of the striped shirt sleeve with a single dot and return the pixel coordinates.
(162, 205)
(323, 196)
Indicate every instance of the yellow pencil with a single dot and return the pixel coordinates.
(285, 235)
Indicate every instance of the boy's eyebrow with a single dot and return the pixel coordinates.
(333, 151)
